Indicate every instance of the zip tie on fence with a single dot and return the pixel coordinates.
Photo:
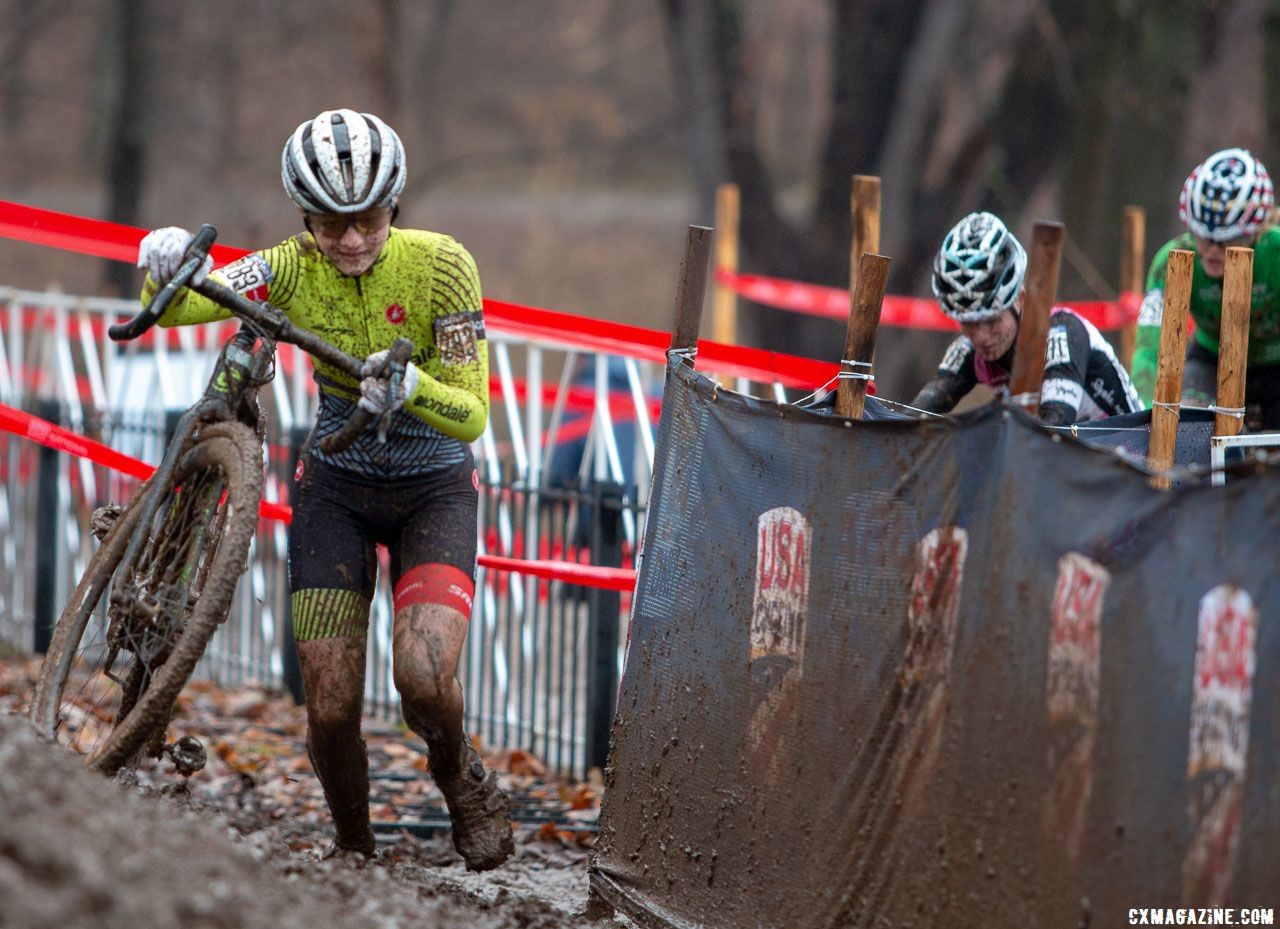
(684, 354)
(844, 375)
(841, 375)
(1077, 428)
(820, 391)
(1160, 404)
(1025, 399)
(39, 430)
(1235, 412)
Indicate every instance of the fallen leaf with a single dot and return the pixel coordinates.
(228, 754)
(548, 832)
(524, 764)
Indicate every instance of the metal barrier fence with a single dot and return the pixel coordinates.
(542, 660)
(565, 465)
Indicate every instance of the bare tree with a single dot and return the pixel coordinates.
(125, 80)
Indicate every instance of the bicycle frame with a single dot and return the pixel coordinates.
(243, 365)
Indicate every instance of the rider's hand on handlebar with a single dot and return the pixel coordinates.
(374, 387)
(161, 251)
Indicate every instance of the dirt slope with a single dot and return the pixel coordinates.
(77, 850)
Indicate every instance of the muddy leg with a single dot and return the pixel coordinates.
(426, 644)
(333, 677)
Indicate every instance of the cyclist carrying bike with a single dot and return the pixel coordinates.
(1225, 201)
(978, 280)
(360, 282)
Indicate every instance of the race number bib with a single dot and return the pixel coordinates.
(1057, 352)
(249, 276)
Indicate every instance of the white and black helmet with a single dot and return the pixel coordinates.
(1227, 196)
(343, 162)
(979, 269)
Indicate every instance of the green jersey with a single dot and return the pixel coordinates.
(424, 286)
(1206, 309)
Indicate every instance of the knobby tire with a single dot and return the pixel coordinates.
(233, 451)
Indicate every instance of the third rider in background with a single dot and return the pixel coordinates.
(1224, 202)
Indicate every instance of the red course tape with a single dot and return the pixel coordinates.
(905, 312)
(120, 242)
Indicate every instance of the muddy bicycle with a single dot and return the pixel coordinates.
(163, 578)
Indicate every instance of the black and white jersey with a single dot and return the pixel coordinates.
(1083, 378)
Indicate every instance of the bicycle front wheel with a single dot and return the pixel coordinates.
(142, 615)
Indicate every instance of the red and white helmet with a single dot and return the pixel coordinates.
(1227, 196)
(343, 162)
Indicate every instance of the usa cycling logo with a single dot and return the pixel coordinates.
(395, 314)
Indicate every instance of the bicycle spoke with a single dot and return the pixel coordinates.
(149, 602)
(148, 619)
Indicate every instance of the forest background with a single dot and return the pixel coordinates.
(567, 144)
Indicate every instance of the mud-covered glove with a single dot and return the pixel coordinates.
(161, 251)
(374, 387)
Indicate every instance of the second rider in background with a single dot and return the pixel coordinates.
(978, 279)
(360, 282)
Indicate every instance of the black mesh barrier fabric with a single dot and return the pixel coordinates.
(953, 672)
(1129, 435)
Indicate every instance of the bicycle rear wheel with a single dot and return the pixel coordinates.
(118, 660)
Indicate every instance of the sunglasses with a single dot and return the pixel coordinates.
(335, 225)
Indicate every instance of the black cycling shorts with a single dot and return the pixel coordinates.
(427, 523)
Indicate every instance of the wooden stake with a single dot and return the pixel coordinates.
(864, 239)
(1172, 355)
(691, 289)
(864, 202)
(860, 337)
(1132, 274)
(724, 302)
(1233, 339)
(1042, 289)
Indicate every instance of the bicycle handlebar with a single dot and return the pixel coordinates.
(361, 418)
(265, 318)
(192, 259)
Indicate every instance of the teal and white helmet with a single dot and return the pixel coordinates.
(343, 162)
(979, 270)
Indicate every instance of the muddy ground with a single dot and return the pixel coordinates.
(234, 848)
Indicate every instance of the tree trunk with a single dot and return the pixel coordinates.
(22, 29)
(126, 45)
(383, 58)
(1271, 78)
(694, 41)
(1089, 210)
(867, 84)
(1149, 165)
